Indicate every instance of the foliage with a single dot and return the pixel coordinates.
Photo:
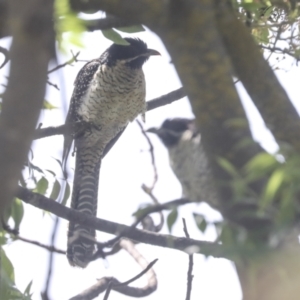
(274, 24)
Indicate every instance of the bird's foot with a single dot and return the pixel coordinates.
(81, 127)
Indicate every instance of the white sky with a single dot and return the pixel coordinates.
(123, 172)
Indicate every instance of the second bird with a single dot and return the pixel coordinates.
(109, 93)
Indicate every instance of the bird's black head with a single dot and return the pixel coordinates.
(171, 130)
(134, 55)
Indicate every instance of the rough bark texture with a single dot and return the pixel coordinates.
(31, 26)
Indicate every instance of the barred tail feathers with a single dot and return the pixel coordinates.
(84, 199)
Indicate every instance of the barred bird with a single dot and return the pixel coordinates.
(187, 159)
(109, 93)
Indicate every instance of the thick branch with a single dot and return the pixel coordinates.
(151, 104)
(258, 78)
(165, 99)
(49, 131)
(154, 239)
(33, 41)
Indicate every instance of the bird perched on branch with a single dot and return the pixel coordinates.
(109, 93)
(188, 159)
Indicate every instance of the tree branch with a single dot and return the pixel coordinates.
(162, 240)
(190, 269)
(166, 99)
(151, 104)
(32, 48)
(258, 78)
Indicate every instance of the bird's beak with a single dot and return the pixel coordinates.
(152, 52)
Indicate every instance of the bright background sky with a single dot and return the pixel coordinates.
(123, 171)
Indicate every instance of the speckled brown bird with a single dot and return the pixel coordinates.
(109, 93)
(188, 159)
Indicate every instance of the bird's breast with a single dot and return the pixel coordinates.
(115, 97)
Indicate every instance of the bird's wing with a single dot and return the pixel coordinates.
(81, 85)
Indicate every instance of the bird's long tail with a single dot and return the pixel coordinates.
(84, 199)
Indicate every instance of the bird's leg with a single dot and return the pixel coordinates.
(80, 127)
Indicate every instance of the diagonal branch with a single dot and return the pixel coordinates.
(162, 240)
(151, 104)
(258, 78)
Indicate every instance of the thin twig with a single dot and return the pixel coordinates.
(69, 62)
(53, 84)
(112, 285)
(137, 292)
(50, 267)
(142, 214)
(18, 237)
(190, 269)
(151, 150)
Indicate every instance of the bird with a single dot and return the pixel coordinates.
(188, 159)
(109, 92)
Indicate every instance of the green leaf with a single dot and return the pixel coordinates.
(132, 29)
(28, 288)
(7, 267)
(137, 214)
(69, 28)
(260, 165)
(273, 185)
(3, 239)
(171, 219)
(48, 105)
(17, 212)
(228, 166)
(67, 194)
(42, 186)
(114, 36)
(55, 190)
(200, 221)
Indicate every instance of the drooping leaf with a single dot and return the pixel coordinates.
(7, 267)
(51, 172)
(27, 291)
(114, 36)
(17, 212)
(132, 29)
(171, 219)
(48, 105)
(228, 167)
(273, 186)
(200, 221)
(42, 186)
(260, 165)
(55, 190)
